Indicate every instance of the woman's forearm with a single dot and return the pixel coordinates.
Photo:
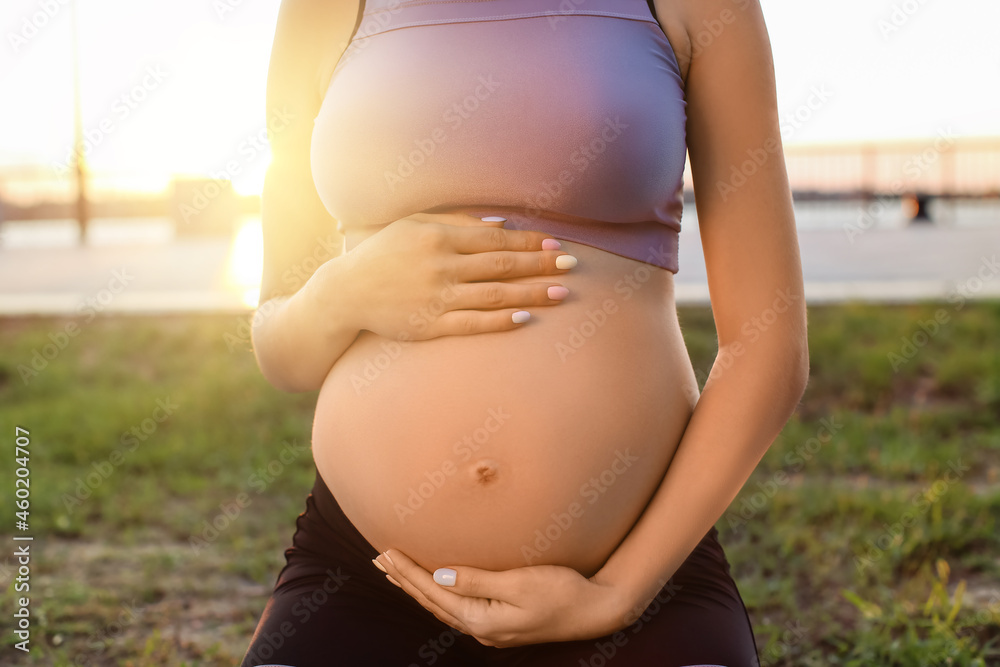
(298, 338)
(742, 409)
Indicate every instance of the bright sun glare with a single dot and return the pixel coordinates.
(246, 259)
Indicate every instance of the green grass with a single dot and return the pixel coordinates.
(860, 548)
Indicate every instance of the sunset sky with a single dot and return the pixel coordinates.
(178, 87)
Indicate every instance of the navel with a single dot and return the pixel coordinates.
(485, 471)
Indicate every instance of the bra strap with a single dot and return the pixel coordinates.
(652, 10)
(361, 15)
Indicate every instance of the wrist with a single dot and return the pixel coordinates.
(628, 599)
(329, 299)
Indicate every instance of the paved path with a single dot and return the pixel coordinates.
(879, 265)
(194, 274)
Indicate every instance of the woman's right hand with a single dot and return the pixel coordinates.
(438, 274)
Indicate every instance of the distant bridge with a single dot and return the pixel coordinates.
(943, 166)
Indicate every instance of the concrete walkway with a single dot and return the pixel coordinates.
(198, 275)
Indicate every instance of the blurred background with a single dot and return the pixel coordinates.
(132, 154)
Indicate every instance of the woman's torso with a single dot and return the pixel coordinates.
(543, 444)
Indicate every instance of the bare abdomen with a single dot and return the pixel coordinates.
(534, 446)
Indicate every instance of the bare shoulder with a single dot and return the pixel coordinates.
(310, 36)
(693, 25)
(672, 20)
(745, 215)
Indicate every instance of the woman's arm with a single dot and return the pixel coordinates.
(761, 370)
(751, 250)
(298, 333)
(314, 298)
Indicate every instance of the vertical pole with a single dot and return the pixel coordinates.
(868, 171)
(81, 157)
(949, 187)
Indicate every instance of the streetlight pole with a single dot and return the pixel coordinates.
(81, 157)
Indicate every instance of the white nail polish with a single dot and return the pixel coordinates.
(565, 262)
(445, 576)
(493, 218)
(520, 317)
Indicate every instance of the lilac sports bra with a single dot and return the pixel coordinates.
(563, 116)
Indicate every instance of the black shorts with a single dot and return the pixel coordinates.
(331, 606)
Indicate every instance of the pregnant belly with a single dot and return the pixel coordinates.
(540, 445)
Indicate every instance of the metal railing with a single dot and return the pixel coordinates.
(965, 167)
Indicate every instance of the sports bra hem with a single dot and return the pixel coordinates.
(660, 258)
(499, 17)
(634, 241)
(620, 239)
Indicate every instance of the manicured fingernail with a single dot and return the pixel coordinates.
(557, 292)
(493, 218)
(444, 576)
(565, 262)
(521, 316)
(378, 565)
(386, 554)
(550, 244)
(392, 580)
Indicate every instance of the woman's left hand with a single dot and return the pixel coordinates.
(527, 605)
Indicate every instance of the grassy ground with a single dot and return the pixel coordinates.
(868, 535)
